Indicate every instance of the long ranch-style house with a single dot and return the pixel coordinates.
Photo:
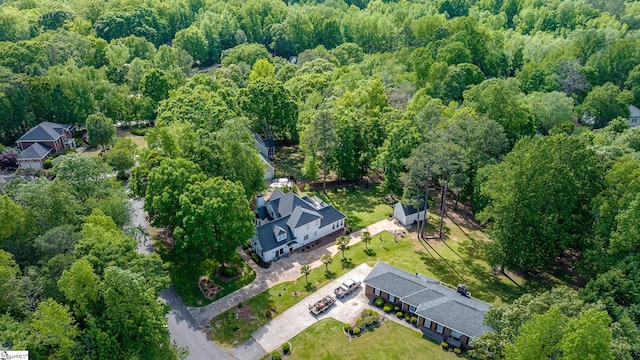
(442, 312)
(288, 222)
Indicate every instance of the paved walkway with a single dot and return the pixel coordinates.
(298, 317)
(283, 270)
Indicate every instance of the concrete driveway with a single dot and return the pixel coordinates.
(298, 317)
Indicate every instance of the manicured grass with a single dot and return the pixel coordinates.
(186, 274)
(458, 259)
(138, 140)
(325, 340)
(362, 207)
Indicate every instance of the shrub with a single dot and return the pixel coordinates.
(139, 130)
(240, 305)
(229, 271)
(457, 351)
(356, 331)
(444, 345)
(9, 159)
(414, 320)
(407, 317)
(396, 308)
(379, 301)
(307, 188)
(347, 328)
(48, 164)
(286, 348)
(276, 355)
(399, 314)
(388, 308)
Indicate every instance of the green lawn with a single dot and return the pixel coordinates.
(362, 207)
(325, 340)
(288, 162)
(138, 140)
(460, 259)
(185, 276)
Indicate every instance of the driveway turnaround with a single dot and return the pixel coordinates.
(286, 269)
(298, 317)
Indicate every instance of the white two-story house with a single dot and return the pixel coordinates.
(288, 222)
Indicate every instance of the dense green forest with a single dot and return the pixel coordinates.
(518, 107)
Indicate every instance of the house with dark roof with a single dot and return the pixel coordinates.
(266, 149)
(288, 222)
(634, 116)
(43, 140)
(410, 212)
(442, 311)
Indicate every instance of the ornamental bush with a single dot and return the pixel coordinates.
(379, 301)
(347, 327)
(399, 314)
(457, 351)
(356, 331)
(407, 317)
(396, 308)
(444, 345)
(276, 355)
(48, 164)
(414, 320)
(387, 308)
(286, 348)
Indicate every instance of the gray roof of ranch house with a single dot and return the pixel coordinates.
(432, 300)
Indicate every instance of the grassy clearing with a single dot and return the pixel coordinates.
(138, 140)
(288, 162)
(458, 259)
(186, 274)
(325, 340)
(362, 207)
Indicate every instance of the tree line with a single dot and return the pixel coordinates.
(517, 106)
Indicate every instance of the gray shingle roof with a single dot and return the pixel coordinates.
(267, 237)
(294, 212)
(301, 216)
(266, 159)
(410, 209)
(330, 215)
(45, 131)
(433, 300)
(262, 213)
(635, 112)
(35, 151)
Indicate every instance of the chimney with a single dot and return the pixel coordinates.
(260, 201)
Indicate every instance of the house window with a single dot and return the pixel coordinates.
(412, 309)
(376, 292)
(456, 335)
(440, 329)
(392, 298)
(427, 323)
(306, 237)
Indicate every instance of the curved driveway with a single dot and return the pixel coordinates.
(184, 330)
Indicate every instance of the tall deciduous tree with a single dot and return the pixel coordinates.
(216, 219)
(165, 185)
(605, 103)
(501, 101)
(101, 130)
(271, 108)
(540, 199)
(85, 174)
